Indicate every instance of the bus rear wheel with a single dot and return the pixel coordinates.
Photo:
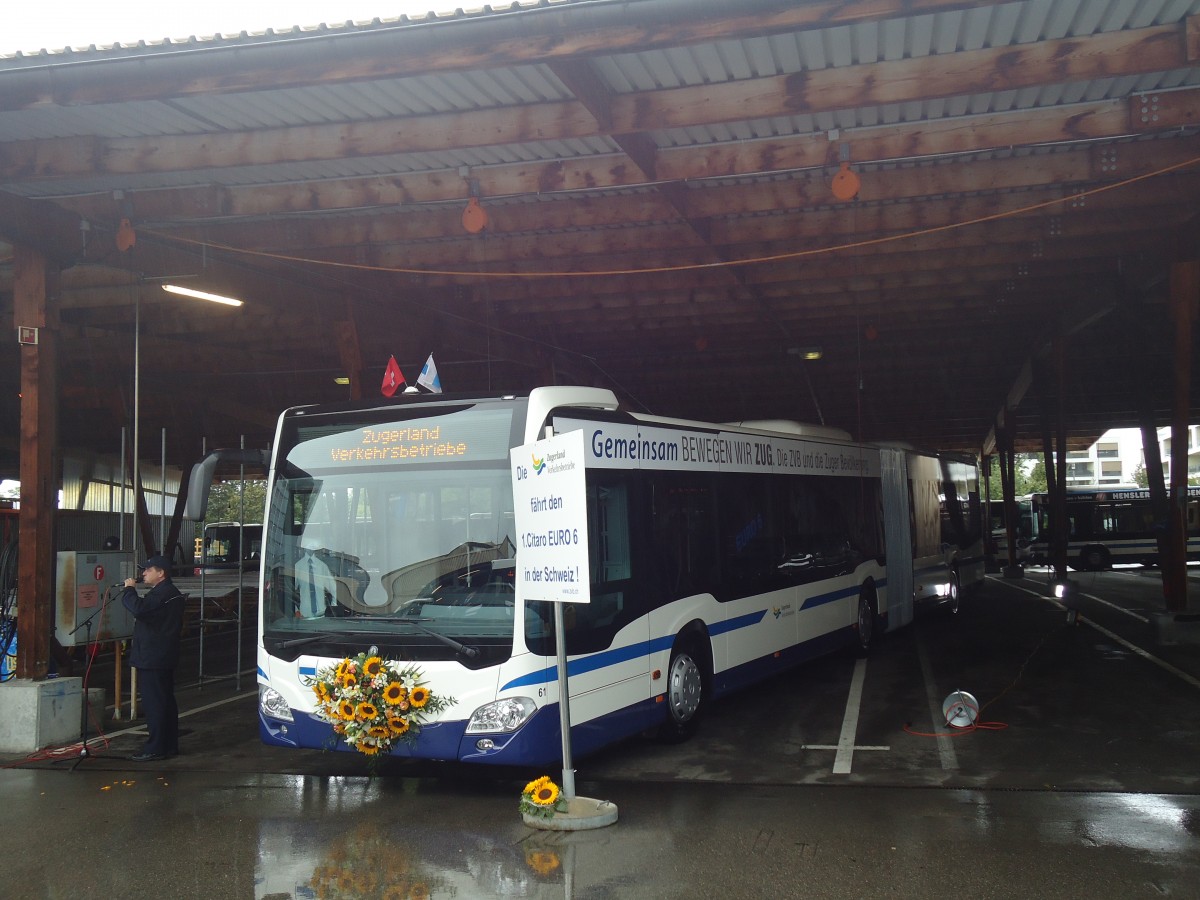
(954, 593)
(685, 694)
(866, 620)
(1093, 559)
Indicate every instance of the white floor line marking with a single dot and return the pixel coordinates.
(1119, 609)
(945, 743)
(836, 747)
(845, 750)
(141, 729)
(1134, 648)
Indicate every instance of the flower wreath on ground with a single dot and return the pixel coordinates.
(541, 798)
(372, 703)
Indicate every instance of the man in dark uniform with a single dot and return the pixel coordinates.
(158, 622)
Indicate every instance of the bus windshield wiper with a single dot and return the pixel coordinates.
(466, 650)
(300, 642)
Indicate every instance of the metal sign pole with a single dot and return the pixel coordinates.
(564, 704)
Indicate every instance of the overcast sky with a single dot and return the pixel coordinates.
(29, 25)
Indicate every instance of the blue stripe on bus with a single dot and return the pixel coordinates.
(617, 655)
(822, 599)
(596, 661)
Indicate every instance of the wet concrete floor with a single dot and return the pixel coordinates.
(1083, 785)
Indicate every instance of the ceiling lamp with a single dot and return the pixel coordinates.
(126, 236)
(846, 182)
(474, 217)
(807, 353)
(200, 295)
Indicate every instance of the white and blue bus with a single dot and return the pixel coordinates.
(718, 555)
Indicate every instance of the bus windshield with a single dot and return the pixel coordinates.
(397, 533)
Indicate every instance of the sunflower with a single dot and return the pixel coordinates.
(348, 680)
(372, 667)
(546, 795)
(366, 711)
(366, 749)
(345, 709)
(321, 689)
(544, 862)
(532, 787)
(418, 696)
(343, 667)
(395, 693)
(397, 725)
(378, 731)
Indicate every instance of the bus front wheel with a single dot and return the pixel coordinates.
(685, 694)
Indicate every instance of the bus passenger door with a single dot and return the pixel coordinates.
(607, 639)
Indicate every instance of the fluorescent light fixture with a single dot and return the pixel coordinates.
(342, 379)
(200, 295)
(809, 353)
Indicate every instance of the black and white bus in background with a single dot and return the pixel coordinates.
(1108, 526)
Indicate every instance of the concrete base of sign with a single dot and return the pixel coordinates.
(1172, 629)
(581, 814)
(37, 714)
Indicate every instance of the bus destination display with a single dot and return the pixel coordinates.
(467, 436)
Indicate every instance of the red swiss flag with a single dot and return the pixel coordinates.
(393, 378)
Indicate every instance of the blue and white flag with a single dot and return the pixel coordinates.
(429, 376)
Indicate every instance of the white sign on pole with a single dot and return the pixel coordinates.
(550, 497)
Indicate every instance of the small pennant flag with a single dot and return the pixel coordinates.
(429, 376)
(393, 378)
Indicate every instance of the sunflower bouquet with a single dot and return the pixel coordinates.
(542, 798)
(372, 704)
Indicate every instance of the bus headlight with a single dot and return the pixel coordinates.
(271, 703)
(508, 714)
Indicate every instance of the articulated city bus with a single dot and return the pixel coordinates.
(718, 555)
(1107, 526)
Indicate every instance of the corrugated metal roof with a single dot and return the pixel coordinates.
(514, 87)
(288, 32)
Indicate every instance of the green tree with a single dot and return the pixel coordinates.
(225, 502)
(1034, 482)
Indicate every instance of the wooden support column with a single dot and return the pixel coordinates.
(350, 352)
(1058, 499)
(35, 316)
(1185, 291)
(1006, 448)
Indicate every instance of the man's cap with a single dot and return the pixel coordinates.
(156, 562)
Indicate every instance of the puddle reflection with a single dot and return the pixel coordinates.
(380, 861)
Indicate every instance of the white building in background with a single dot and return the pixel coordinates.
(1115, 458)
(1164, 443)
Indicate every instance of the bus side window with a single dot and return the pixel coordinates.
(684, 533)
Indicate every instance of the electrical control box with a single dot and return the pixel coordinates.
(87, 596)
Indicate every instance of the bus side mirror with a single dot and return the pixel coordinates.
(202, 477)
